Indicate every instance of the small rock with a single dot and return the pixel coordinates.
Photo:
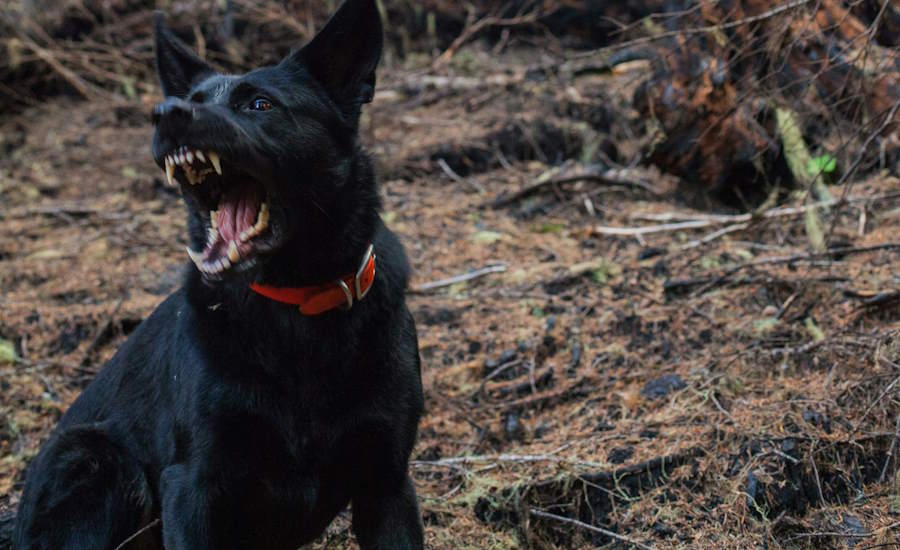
(576, 358)
(650, 252)
(550, 323)
(662, 530)
(507, 356)
(542, 429)
(755, 498)
(619, 455)
(817, 419)
(851, 525)
(662, 386)
(513, 427)
(789, 446)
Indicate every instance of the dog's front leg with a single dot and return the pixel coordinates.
(390, 520)
(184, 511)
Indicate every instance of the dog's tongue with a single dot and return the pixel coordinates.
(238, 211)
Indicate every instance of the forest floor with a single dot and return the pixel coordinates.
(709, 386)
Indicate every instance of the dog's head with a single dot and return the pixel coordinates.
(266, 159)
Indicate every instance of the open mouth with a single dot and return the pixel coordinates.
(238, 210)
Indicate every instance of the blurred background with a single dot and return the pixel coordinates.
(654, 246)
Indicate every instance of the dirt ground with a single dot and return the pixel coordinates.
(714, 386)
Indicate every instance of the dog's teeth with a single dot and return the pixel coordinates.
(244, 237)
(170, 171)
(262, 221)
(214, 219)
(233, 251)
(216, 161)
(189, 156)
(211, 237)
(199, 155)
(196, 257)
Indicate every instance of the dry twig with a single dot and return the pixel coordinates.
(600, 530)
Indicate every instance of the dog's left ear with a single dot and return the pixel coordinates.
(178, 68)
(343, 55)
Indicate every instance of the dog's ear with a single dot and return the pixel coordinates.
(344, 54)
(178, 68)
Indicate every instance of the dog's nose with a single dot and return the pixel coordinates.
(173, 115)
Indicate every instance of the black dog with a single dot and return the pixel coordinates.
(282, 381)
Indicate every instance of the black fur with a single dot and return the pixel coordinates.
(235, 419)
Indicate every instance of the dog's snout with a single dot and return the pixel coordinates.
(173, 114)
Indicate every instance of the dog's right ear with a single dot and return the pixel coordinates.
(343, 56)
(178, 68)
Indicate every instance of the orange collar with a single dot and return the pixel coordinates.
(317, 299)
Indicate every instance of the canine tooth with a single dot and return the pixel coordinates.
(233, 251)
(262, 220)
(195, 256)
(170, 171)
(199, 154)
(214, 219)
(216, 161)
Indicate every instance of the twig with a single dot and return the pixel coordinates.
(457, 178)
(844, 250)
(589, 527)
(893, 449)
(138, 533)
(858, 159)
(87, 90)
(812, 460)
(425, 287)
(873, 403)
(716, 234)
(688, 221)
(622, 177)
(778, 10)
(662, 228)
(508, 458)
(485, 22)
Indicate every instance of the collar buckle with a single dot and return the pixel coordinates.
(369, 255)
(349, 303)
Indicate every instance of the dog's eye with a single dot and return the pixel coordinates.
(260, 104)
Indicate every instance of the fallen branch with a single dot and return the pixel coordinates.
(622, 177)
(472, 29)
(599, 530)
(691, 221)
(774, 260)
(425, 287)
(457, 178)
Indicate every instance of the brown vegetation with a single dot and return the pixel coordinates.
(655, 282)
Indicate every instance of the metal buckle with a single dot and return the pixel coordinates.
(347, 293)
(365, 261)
